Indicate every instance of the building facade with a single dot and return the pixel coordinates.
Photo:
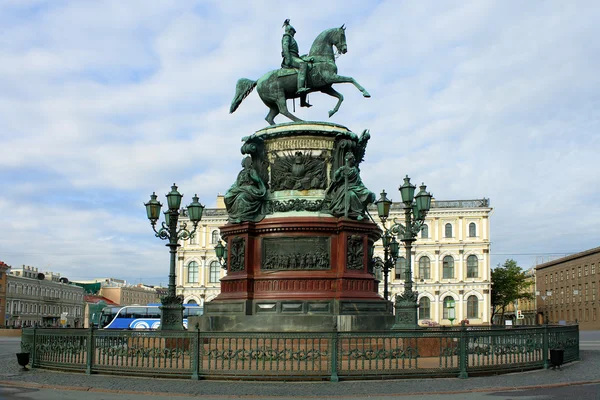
(450, 261)
(42, 299)
(119, 292)
(4, 268)
(567, 289)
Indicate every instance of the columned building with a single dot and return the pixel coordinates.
(450, 260)
(43, 299)
(568, 287)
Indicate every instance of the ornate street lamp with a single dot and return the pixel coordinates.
(221, 253)
(415, 211)
(171, 317)
(390, 245)
(451, 312)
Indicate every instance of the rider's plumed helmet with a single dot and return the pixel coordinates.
(288, 28)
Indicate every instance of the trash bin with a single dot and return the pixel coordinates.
(556, 357)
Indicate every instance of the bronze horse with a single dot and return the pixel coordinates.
(276, 86)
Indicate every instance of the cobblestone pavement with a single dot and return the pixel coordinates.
(576, 373)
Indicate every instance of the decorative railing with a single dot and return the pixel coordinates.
(429, 352)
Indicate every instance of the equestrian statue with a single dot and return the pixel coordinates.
(300, 75)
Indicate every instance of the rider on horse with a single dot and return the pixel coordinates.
(292, 59)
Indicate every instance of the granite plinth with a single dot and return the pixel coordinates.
(291, 323)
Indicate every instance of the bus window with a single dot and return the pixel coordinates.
(153, 312)
(135, 312)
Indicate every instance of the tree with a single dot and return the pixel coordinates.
(509, 284)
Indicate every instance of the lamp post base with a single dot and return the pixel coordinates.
(406, 313)
(171, 317)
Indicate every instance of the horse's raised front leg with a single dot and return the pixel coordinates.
(334, 93)
(348, 79)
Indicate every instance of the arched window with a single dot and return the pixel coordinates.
(424, 308)
(425, 232)
(448, 231)
(192, 301)
(400, 268)
(214, 237)
(448, 306)
(213, 276)
(472, 229)
(473, 307)
(424, 268)
(472, 266)
(448, 268)
(193, 272)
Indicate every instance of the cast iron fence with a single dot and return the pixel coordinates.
(429, 352)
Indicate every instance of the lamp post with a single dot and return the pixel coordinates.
(221, 253)
(391, 247)
(171, 317)
(451, 312)
(415, 211)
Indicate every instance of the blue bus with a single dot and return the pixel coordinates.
(140, 317)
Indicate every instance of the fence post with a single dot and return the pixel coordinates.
(33, 349)
(195, 356)
(90, 351)
(545, 345)
(334, 354)
(462, 352)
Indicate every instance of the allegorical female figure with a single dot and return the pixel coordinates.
(347, 196)
(246, 198)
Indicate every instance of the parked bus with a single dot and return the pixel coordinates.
(140, 317)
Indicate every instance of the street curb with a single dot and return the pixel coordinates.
(32, 385)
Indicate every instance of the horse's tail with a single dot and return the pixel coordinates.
(242, 89)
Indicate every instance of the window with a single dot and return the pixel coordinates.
(424, 268)
(472, 229)
(214, 272)
(424, 232)
(551, 278)
(401, 268)
(448, 304)
(579, 272)
(573, 273)
(215, 237)
(586, 292)
(593, 269)
(448, 231)
(193, 272)
(448, 267)
(593, 291)
(473, 307)
(424, 308)
(586, 270)
(546, 279)
(472, 266)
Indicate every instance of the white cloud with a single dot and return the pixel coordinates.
(103, 103)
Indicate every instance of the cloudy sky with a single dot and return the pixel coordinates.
(104, 102)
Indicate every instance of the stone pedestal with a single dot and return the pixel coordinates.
(299, 268)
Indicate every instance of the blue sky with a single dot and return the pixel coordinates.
(104, 102)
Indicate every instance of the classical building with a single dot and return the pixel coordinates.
(120, 292)
(450, 259)
(568, 289)
(42, 298)
(3, 283)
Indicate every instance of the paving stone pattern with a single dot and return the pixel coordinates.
(585, 370)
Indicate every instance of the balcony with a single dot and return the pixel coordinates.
(51, 299)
